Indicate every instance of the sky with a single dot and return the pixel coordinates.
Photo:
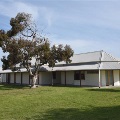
(85, 25)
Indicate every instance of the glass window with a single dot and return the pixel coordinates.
(79, 75)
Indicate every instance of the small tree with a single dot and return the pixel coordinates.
(22, 45)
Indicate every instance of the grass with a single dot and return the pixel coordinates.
(59, 103)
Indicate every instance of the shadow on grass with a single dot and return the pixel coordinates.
(105, 90)
(69, 86)
(101, 113)
(11, 87)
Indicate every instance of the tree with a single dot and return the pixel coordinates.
(23, 44)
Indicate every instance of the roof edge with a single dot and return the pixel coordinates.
(89, 52)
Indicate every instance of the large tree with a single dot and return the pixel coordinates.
(22, 44)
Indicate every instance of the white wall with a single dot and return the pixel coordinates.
(45, 78)
(39, 78)
(77, 82)
(25, 78)
(58, 78)
(18, 78)
(70, 78)
(116, 77)
(11, 77)
(92, 79)
(103, 78)
(3, 77)
(62, 78)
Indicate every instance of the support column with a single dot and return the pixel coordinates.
(99, 79)
(29, 79)
(14, 78)
(113, 77)
(21, 78)
(6, 77)
(80, 78)
(52, 78)
(65, 78)
(38, 78)
(9, 78)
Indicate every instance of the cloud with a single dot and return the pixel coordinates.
(78, 45)
(11, 8)
(46, 15)
(86, 45)
(86, 26)
(39, 13)
(99, 14)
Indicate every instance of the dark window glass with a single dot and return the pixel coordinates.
(79, 75)
(82, 76)
(76, 75)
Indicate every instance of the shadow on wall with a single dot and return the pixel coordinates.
(100, 113)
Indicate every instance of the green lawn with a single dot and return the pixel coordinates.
(59, 103)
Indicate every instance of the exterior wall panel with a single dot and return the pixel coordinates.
(18, 78)
(4, 77)
(40, 78)
(58, 78)
(70, 78)
(92, 79)
(62, 78)
(116, 77)
(45, 78)
(12, 78)
(103, 78)
(25, 78)
(77, 82)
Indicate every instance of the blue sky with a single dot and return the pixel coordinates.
(86, 25)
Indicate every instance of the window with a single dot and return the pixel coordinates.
(54, 75)
(92, 72)
(79, 75)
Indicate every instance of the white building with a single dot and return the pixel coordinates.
(86, 69)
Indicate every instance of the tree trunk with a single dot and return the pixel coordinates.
(33, 82)
(33, 76)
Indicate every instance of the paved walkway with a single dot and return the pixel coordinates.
(108, 87)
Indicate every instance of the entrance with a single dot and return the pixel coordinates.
(109, 78)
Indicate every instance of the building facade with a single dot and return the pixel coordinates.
(87, 69)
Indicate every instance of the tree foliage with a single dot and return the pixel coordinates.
(22, 44)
